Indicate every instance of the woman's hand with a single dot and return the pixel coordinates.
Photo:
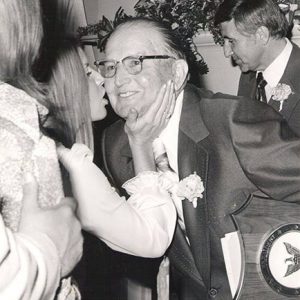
(143, 130)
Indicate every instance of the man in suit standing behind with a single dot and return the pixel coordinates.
(254, 33)
(235, 146)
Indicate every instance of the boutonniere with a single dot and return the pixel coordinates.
(190, 188)
(281, 92)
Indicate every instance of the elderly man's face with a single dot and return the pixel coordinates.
(126, 91)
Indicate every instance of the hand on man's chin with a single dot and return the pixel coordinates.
(131, 113)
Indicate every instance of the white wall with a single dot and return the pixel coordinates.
(97, 8)
(222, 76)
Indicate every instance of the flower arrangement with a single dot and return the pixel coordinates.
(185, 17)
(190, 188)
(281, 93)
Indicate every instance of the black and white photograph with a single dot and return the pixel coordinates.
(150, 150)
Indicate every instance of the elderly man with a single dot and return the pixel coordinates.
(234, 146)
(254, 34)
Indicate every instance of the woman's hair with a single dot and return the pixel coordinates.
(21, 33)
(61, 70)
(68, 93)
(59, 83)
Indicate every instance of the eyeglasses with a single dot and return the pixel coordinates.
(132, 64)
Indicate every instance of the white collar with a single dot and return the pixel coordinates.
(169, 135)
(273, 73)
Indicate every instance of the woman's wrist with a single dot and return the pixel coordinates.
(143, 157)
(139, 141)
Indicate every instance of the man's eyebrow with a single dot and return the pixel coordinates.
(226, 37)
(229, 38)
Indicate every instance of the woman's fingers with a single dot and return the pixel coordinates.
(159, 105)
(167, 104)
(149, 126)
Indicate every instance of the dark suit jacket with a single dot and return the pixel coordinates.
(291, 75)
(236, 146)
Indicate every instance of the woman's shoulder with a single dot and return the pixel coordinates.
(15, 100)
(8, 91)
(20, 109)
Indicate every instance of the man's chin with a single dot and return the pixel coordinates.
(124, 115)
(244, 68)
(237, 62)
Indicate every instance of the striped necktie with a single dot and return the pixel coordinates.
(161, 157)
(260, 88)
(163, 165)
(163, 276)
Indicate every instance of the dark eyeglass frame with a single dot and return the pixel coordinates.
(141, 58)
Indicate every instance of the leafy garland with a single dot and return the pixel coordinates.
(186, 18)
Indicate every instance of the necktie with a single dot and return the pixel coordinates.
(260, 88)
(162, 165)
(160, 156)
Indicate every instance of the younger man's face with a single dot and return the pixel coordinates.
(126, 91)
(244, 48)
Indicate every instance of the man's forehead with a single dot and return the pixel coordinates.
(228, 26)
(231, 29)
(134, 40)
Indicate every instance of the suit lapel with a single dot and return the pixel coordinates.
(180, 254)
(247, 85)
(126, 151)
(192, 158)
(290, 74)
(125, 170)
(253, 85)
(195, 159)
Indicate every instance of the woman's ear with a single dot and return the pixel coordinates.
(180, 71)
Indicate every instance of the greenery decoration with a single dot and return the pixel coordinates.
(103, 28)
(186, 18)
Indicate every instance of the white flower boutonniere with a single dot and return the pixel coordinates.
(190, 188)
(281, 92)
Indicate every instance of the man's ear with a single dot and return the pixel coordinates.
(262, 34)
(180, 71)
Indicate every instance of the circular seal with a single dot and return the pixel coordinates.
(280, 260)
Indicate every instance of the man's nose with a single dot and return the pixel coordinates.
(121, 76)
(227, 49)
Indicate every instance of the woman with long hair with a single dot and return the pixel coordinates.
(30, 264)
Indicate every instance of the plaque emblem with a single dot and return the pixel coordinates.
(294, 259)
(280, 260)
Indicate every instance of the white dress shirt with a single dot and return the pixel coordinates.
(169, 137)
(273, 73)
